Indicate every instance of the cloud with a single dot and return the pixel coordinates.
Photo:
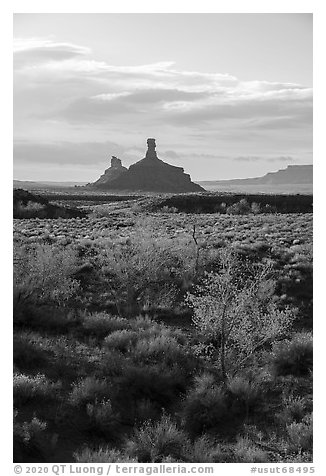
(254, 158)
(39, 50)
(153, 96)
(281, 105)
(282, 158)
(171, 154)
(182, 97)
(92, 110)
(103, 107)
(66, 153)
(193, 108)
(60, 89)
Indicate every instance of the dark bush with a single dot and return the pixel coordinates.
(28, 205)
(89, 390)
(27, 439)
(219, 202)
(102, 419)
(294, 357)
(102, 455)
(37, 388)
(154, 442)
(101, 324)
(155, 383)
(121, 340)
(245, 451)
(300, 435)
(205, 406)
(244, 395)
(26, 353)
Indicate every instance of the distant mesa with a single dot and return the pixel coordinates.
(293, 174)
(149, 174)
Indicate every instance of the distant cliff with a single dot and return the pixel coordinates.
(293, 174)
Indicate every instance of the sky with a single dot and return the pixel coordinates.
(224, 95)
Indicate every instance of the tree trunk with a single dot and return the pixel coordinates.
(223, 371)
(223, 336)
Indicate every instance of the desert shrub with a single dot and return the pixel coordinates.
(101, 211)
(300, 435)
(295, 408)
(28, 388)
(205, 406)
(159, 348)
(295, 356)
(268, 208)
(102, 455)
(167, 209)
(245, 393)
(27, 437)
(255, 208)
(43, 275)
(234, 308)
(26, 431)
(147, 272)
(204, 381)
(46, 317)
(102, 417)
(26, 353)
(203, 450)
(150, 329)
(155, 441)
(121, 340)
(220, 207)
(207, 203)
(239, 208)
(246, 452)
(150, 343)
(101, 323)
(29, 210)
(145, 410)
(142, 322)
(89, 390)
(162, 386)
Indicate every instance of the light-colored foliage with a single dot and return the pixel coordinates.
(89, 390)
(27, 431)
(102, 455)
(300, 434)
(154, 441)
(246, 452)
(147, 272)
(43, 274)
(101, 323)
(30, 387)
(235, 307)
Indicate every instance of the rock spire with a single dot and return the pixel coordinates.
(149, 174)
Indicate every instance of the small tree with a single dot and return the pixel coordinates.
(239, 208)
(235, 309)
(43, 274)
(147, 272)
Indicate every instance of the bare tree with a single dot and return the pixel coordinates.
(235, 308)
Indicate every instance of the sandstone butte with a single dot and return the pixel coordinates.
(149, 174)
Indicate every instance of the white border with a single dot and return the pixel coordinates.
(167, 6)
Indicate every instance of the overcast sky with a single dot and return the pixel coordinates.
(225, 95)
